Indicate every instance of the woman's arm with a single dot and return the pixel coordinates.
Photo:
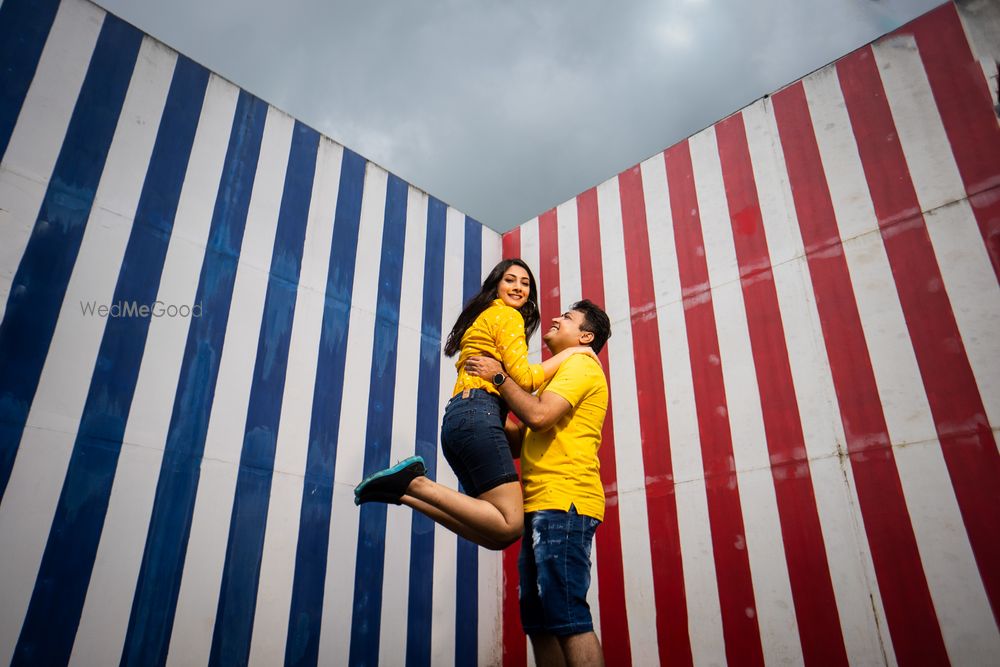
(552, 364)
(512, 351)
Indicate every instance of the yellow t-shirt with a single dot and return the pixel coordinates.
(559, 466)
(498, 332)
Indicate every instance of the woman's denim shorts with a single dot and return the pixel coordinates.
(474, 443)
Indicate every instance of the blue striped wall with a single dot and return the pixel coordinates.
(177, 487)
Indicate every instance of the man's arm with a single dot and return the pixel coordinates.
(538, 412)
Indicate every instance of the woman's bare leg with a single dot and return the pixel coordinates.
(494, 519)
(451, 524)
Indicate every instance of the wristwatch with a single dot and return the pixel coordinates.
(499, 379)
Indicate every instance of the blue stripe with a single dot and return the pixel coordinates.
(472, 274)
(24, 27)
(366, 620)
(418, 618)
(155, 600)
(68, 561)
(305, 615)
(39, 285)
(467, 577)
(240, 576)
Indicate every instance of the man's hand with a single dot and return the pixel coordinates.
(538, 412)
(484, 367)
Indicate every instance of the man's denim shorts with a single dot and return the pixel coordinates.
(555, 572)
(474, 442)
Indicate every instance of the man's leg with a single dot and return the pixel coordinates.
(548, 651)
(583, 650)
(562, 553)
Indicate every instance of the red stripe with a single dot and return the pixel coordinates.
(808, 570)
(548, 272)
(610, 574)
(732, 564)
(963, 100)
(674, 644)
(512, 244)
(963, 428)
(903, 587)
(515, 644)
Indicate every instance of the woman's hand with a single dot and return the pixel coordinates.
(586, 349)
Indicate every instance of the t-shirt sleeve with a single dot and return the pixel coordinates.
(575, 379)
(513, 350)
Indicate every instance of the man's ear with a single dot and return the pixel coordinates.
(586, 337)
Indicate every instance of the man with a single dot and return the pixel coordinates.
(563, 494)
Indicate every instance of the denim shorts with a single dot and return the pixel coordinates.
(555, 572)
(474, 442)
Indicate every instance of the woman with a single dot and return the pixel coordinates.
(495, 323)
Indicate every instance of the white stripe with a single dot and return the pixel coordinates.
(277, 567)
(848, 556)
(105, 615)
(492, 250)
(946, 555)
(965, 265)
(36, 481)
(765, 546)
(399, 519)
(570, 279)
(841, 162)
(963, 611)
(530, 254)
(40, 128)
(697, 556)
(490, 562)
(443, 603)
(639, 600)
(490, 607)
(194, 620)
(571, 291)
(338, 597)
(974, 293)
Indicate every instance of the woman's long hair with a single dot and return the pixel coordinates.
(482, 301)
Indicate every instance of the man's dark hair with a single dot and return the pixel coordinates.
(596, 321)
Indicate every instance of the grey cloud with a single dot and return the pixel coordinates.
(505, 109)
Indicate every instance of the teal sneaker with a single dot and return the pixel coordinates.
(389, 485)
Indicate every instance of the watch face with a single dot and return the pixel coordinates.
(499, 378)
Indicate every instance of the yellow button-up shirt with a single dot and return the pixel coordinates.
(498, 332)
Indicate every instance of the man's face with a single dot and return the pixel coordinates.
(566, 332)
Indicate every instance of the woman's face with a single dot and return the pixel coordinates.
(514, 287)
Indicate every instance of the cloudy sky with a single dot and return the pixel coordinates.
(505, 108)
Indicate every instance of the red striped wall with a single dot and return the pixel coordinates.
(800, 456)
